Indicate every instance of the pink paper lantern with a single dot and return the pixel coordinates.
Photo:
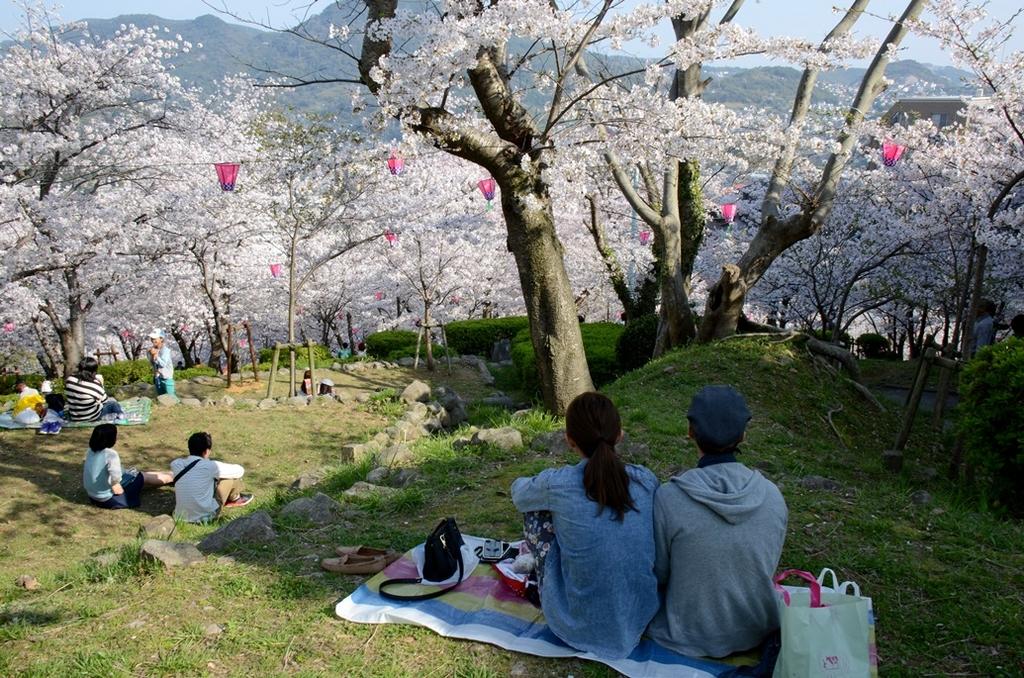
(487, 187)
(396, 163)
(378, 296)
(391, 237)
(645, 237)
(891, 152)
(275, 270)
(242, 343)
(127, 334)
(729, 212)
(8, 328)
(227, 173)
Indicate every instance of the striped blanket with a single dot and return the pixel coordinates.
(484, 609)
(137, 412)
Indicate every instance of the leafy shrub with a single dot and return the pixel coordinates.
(197, 371)
(636, 343)
(381, 345)
(476, 337)
(992, 421)
(599, 340)
(872, 345)
(826, 335)
(7, 381)
(126, 372)
(321, 354)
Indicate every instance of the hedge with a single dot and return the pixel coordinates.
(599, 340)
(636, 343)
(321, 354)
(872, 345)
(477, 337)
(381, 345)
(992, 421)
(126, 372)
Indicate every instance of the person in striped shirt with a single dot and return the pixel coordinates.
(85, 398)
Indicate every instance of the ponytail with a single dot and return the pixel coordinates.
(606, 481)
(594, 425)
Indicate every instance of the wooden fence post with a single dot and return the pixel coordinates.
(273, 370)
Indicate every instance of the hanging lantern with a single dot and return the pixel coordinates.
(396, 163)
(127, 335)
(645, 237)
(8, 328)
(487, 187)
(391, 237)
(185, 329)
(242, 343)
(275, 270)
(227, 172)
(891, 152)
(729, 212)
(378, 296)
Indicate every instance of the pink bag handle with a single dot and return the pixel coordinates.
(813, 585)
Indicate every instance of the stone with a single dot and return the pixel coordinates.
(267, 403)
(892, 460)
(926, 474)
(485, 374)
(160, 527)
(363, 397)
(209, 402)
(27, 582)
(501, 350)
(354, 452)
(417, 391)
(307, 481)
(361, 490)
(191, 402)
(505, 438)
(318, 509)
(213, 630)
(299, 401)
(343, 397)
(921, 498)
(671, 369)
(352, 367)
(171, 553)
(227, 401)
(406, 362)
(395, 455)
(818, 483)
(336, 367)
(552, 442)
(403, 477)
(247, 404)
(633, 451)
(137, 624)
(519, 670)
(108, 559)
(519, 414)
(378, 475)
(500, 400)
(417, 412)
(454, 406)
(253, 528)
(167, 400)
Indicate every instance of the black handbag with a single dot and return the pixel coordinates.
(442, 557)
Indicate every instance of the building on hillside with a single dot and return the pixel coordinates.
(942, 111)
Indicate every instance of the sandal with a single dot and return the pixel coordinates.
(352, 564)
(369, 551)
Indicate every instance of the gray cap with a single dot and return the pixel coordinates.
(719, 416)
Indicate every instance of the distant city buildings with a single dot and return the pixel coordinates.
(942, 111)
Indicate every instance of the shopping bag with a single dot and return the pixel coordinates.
(825, 632)
(853, 586)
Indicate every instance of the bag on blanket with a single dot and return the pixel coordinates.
(824, 633)
(443, 557)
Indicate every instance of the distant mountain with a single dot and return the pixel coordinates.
(229, 49)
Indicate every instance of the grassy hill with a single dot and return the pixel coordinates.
(946, 578)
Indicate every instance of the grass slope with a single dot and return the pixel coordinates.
(946, 579)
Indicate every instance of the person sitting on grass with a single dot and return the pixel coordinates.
(203, 486)
(590, 530)
(718, 535)
(307, 383)
(85, 397)
(107, 484)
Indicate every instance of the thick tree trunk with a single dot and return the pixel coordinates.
(431, 365)
(184, 347)
(554, 329)
(675, 326)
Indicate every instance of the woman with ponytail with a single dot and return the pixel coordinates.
(590, 529)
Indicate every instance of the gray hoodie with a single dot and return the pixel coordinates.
(718, 534)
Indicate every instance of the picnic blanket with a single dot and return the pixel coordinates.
(137, 412)
(484, 609)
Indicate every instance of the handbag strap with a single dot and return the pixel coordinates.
(419, 580)
(185, 470)
(813, 586)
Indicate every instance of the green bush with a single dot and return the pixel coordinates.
(382, 345)
(126, 372)
(321, 354)
(477, 337)
(872, 345)
(826, 335)
(636, 343)
(7, 381)
(992, 421)
(197, 371)
(599, 340)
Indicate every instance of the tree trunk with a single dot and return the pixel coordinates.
(431, 366)
(550, 306)
(675, 325)
(183, 346)
(351, 334)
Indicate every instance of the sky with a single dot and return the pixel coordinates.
(805, 18)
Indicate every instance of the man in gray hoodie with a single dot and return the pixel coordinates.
(718, 535)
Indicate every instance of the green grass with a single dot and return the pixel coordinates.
(946, 578)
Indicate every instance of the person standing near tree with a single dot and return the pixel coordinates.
(985, 326)
(163, 364)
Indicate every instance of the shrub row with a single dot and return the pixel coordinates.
(599, 341)
(477, 337)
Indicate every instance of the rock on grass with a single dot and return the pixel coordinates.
(255, 528)
(171, 553)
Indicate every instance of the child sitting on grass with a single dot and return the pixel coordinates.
(107, 485)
